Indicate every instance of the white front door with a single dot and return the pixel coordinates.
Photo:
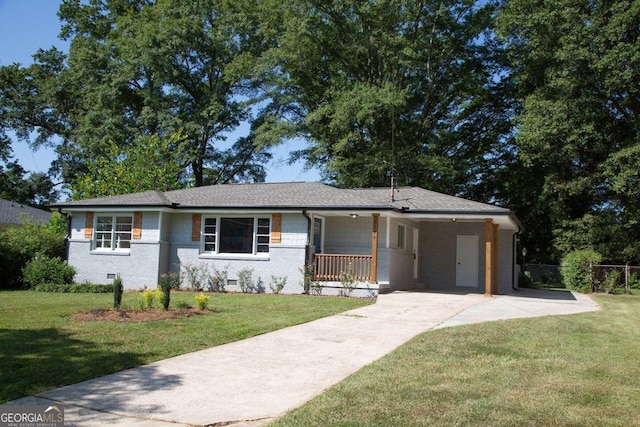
(416, 235)
(467, 257)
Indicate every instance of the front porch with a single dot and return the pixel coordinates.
(394, 253)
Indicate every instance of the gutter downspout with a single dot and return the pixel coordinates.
(67, 234)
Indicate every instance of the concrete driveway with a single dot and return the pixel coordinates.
(250, 382)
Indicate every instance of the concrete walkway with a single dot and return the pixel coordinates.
(251, 382)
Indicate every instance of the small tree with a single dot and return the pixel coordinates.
(167, 281)
(577, 272)
(118, 290)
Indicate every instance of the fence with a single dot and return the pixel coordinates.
(611, 276)
(544, 273)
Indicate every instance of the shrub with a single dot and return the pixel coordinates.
(348, 281)
(277, 284)
(245, 280)
(148, 297)
(634, 282)
(83, 288)
(19, 245)
(576, 270)
(308, 272)
(49, 287)
(219, 279)
(171, 280)
(202, 301)
(195, 275)
(315, 288)
(157, 297)
(118, 290)
(45, 269)
(612, 281)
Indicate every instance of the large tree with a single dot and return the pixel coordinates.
(18, 93)
(16, 184)
(151, 163)
(376, 85)
(139, 68)
(576, 67)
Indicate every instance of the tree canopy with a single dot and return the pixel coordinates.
(35, 189)
(533, 105)
(390, 84)
(576, 67)
(138, 68)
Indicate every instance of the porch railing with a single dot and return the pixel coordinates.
(329, 266)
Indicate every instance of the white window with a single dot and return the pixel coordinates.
(402, 236)
(236, 235)
(113, 232)
(210, 234)
(263, 234)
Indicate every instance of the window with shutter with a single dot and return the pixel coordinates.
(196, 221)
(276, 228)
(137, 226)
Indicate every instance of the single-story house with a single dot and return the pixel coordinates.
(400, 239)
(15, 214)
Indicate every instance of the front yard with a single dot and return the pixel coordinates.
(578, 370)
(43, 347)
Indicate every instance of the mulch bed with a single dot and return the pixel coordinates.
(127, 315)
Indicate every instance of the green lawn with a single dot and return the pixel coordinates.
(578, 370)
(42, 347)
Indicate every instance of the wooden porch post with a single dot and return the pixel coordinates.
(488, 258)
(494, 256)
(374, 248)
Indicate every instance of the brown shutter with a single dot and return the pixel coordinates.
(88, 225)
(137, 226)
(195, 227)
(276, 227)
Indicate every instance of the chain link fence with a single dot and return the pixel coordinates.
(608, 277)
(544, 273)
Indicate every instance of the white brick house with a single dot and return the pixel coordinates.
(420, 239)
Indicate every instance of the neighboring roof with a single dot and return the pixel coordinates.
(14, 213)
(292, 195)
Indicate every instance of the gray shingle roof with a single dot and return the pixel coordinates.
(416, 199)
(147, 198)
(14, 213)
(299, 195)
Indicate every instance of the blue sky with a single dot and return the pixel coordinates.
(27, 25)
